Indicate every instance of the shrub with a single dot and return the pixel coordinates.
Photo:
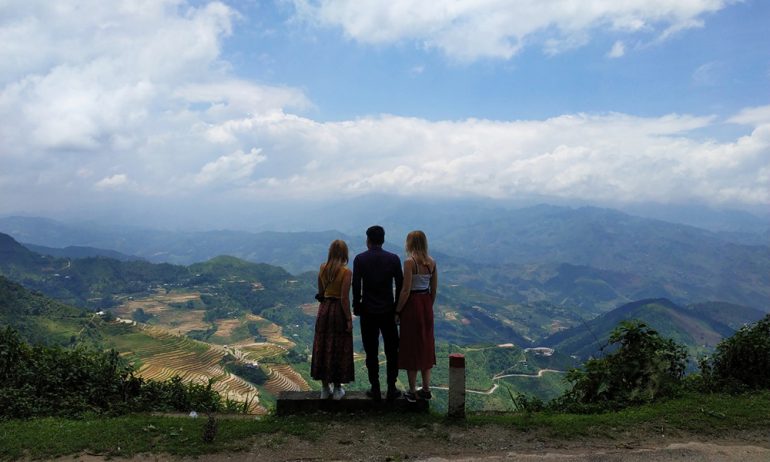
(740, 362)
(643, 368)
(52, 381)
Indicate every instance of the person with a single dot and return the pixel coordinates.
(375, 272)
(332, 361)
(417, 350)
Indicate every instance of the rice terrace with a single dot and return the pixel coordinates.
(159, 346)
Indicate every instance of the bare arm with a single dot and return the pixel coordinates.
(321, 287)
(406, 287)
(434, 283)
(345, 298)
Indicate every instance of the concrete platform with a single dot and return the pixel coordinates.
(309, 402)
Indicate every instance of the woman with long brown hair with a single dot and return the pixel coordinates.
(417, 350)
(332, 361)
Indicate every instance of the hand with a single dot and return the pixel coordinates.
(398, 318)
(349, 326)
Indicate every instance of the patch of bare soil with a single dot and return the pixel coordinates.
(354, 439)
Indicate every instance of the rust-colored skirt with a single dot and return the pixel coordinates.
(332, 346)
(417, 347)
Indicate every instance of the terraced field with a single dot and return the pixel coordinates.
(253, 351)
(163, 355)
(282, 377)
(161, 349)
(274, 333)
(159, 306)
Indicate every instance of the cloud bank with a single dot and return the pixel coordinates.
(132, 102)
(468, 29)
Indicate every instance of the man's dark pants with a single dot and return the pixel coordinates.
(371, 327)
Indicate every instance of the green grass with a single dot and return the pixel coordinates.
(721, 416)
(124, 436)
(711, 415)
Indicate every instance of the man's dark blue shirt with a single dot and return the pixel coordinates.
(374, 272)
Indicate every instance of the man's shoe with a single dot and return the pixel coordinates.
(424, 394)
(393, 394)
(409, 396)
(325, 392)
(339, 392)
(374, 394)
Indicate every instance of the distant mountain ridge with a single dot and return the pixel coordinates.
(76, 251)
(700, 327)
(588, 258)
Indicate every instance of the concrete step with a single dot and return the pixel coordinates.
(308, 402)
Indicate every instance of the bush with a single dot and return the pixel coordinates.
(52, 381)
(740, 362)
(643, 368)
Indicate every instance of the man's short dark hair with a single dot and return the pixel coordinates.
(376, 234)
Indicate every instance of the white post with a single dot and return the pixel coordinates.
(457, 385)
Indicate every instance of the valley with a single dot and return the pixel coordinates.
(523, 297)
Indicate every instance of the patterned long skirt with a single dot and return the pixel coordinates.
(417, 348)
(332, 346)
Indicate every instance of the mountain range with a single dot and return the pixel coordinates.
(587, 260)
(501, 309)
(700, 326)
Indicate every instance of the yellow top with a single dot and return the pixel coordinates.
(334, 289)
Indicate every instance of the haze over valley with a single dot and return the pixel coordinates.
(525, 293)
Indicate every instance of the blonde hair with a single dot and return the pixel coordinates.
(338, 258)
(417, 247)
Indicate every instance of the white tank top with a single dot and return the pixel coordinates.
(420, 282)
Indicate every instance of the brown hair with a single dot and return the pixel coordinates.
(417, 247)
(338, 257)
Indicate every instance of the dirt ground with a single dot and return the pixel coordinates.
(369, 441)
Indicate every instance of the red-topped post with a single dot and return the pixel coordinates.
(456, 385)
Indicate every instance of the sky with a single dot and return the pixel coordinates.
(209, 107)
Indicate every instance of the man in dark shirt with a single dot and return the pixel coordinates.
(375, 272)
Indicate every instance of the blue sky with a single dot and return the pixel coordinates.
(718, 68)
(196, 107)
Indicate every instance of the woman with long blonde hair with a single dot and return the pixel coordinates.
(417, 350)
(332, 361)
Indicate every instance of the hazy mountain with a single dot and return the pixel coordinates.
(736, 225)
(83, 282)
(733, 316)
(676, 261)
(589, 258)
(296, 252)
(694, 327)
(75, 251)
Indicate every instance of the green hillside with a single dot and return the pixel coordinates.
(695, 329)
(38, 318)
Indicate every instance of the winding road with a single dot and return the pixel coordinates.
(502, 376)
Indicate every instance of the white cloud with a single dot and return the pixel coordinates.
(230, 168)
(618, 50)
(611, 157)
(90, 87)
(469, 29)
(754, 116)
(112, 182)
